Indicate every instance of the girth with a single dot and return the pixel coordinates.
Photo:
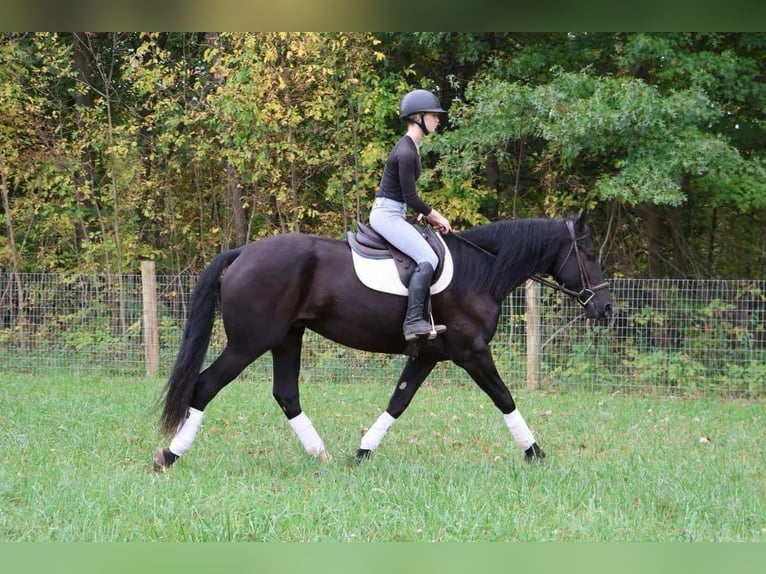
(368, 243)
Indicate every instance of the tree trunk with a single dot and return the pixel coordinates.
(711, 242)
(491, 179)
(234, 194)
(233, 187)
(516, 183)
(653, 234)
(18, 311)
(83, 99)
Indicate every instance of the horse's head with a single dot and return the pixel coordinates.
(579, 272)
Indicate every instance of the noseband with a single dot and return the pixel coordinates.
(588, 292)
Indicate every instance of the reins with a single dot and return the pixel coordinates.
(583, 296)
(472, 244)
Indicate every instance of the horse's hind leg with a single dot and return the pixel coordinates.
(287, 364)
(220, 373)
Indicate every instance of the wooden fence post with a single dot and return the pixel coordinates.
(151, 327)
(533, 333)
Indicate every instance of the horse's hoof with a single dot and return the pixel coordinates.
(361, 455)
(324, 458)
(534, 453)
(162, 459)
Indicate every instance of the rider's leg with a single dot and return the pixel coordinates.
(414, 324)
(388, 218)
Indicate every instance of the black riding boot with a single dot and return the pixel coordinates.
(414, 324)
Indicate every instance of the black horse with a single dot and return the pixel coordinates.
(272, 290)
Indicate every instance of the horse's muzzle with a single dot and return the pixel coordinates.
(597, 308)
(597, 300)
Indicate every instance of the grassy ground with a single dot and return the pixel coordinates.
(75, 456)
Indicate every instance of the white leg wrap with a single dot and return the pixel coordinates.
(305, 430)
(377, 431)
(186, 432)
(519, 429)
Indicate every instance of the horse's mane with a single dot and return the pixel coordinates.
(513, 250)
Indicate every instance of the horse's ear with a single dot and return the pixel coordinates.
(581, 219)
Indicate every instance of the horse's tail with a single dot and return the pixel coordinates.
(194, 343)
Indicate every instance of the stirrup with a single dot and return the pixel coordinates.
(436, 330)
(429, 330)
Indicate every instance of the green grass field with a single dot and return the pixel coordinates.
(75, 465)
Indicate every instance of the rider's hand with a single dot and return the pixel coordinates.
(439, 221)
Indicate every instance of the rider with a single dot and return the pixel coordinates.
(419, 111)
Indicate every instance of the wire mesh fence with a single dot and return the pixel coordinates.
(676, 336)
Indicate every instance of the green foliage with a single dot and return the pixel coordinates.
(643, 141)
(631, 119)
(679, 338)
(118, 147)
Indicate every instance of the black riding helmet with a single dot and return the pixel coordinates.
(419, 102)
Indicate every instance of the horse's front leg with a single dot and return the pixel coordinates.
(481, 367)
(413, 375)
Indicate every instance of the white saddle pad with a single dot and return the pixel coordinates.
(381, 274)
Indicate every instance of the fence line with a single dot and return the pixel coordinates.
(679, 336)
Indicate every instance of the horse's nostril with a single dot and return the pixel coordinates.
(608, 309)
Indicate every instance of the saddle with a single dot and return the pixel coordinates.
(368, 243)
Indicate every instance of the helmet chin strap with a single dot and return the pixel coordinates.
(421, 123)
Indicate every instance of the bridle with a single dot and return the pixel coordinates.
(588, 292)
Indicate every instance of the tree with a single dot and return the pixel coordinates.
(14, 107)
(173, 146)
(286, 113)
(617, 138)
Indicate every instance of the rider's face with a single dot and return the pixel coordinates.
(432, 121)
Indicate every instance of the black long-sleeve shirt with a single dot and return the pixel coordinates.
(400, 173)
